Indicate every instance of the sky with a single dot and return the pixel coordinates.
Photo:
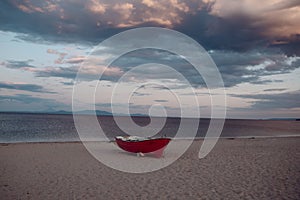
(254, 44)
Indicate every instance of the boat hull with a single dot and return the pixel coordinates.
(145, 146)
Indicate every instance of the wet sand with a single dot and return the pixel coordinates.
(264, 168)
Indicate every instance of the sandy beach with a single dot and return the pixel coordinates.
(264, 168)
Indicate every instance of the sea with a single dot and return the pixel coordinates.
(25, 127)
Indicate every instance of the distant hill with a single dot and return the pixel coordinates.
(82, 112)
(62, 112)
(91, 112)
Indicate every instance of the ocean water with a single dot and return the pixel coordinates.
(17, 127)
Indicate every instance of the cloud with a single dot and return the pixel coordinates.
(96, 7)
(61, 56)
(40, 7)
(13, 64)
(87, 73)
(216, 24)
(63, 72)
(263, 14)
(240, 67)
(235, 25)
(235, 67)
(141, 94)
(85, 20)
(286, 100)
(24, 87)
(75, 60)
(161, 100)
(275, 90)
(71, 83)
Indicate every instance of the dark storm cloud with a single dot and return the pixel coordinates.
(92, 21)
(69, 21)
(218, 33)
(236, 33)
(273, 101)
(24, 87)
(290, 46)
(39, 25)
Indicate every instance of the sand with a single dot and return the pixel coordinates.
(266, 168)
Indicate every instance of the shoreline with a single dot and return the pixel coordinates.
(176, 139)
(70, 113)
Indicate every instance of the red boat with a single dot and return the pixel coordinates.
(136, 144)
